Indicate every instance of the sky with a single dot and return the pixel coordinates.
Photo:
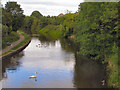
(47, 7)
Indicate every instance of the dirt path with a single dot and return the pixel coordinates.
(13, 44)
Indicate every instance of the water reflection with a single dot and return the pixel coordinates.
(11, 65)
(68, 45)
(49, 39)
(56, 64)
(47, 42)
(88, 73)
(34, 79)
(0, 69)
(53, 64)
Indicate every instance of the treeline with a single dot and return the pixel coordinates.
(96, 30)
(12, 19)
(36, 23)
(95, 27)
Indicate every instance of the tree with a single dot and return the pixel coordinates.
(34, 29)
(36, 14)
(28, 21)
(13, 8)
(6, 19)
(96, 28)
(43, 21)
(16, 13)
(17, 21)
(4, 30)
(68, 21)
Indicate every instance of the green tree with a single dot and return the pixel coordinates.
(96, 28)
(68, 22)
(16, 13)
(36, 14)
(4, 30)
(6, 19)
(28, 21)
(34, 29)
(43, 21)
(13, 8)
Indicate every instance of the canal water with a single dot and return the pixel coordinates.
(56, 65)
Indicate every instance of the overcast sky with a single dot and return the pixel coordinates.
(47, 7)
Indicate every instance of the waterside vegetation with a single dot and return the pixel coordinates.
(95, 28)
(12, 19)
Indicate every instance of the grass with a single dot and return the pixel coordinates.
(113, 76)
(25, 41)
(51, 31)
(12, 37)
(113, 68)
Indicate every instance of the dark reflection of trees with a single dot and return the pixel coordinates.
(46, 41)
(0, 69)
(68, 45)
(88, 73)
(11, 64)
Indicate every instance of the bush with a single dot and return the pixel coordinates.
(51, 31)
(8, 39)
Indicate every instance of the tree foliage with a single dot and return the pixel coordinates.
(12, 19)
(15, 15)
(96, 28)
(36, 14)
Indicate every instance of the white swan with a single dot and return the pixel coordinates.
(34, 76)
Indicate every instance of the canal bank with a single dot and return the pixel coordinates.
(17, 46)
(111, 67)
(9, 55)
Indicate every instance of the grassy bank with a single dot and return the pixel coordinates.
(8, 39)
(25, 41)
(113, 70)
(51, 31)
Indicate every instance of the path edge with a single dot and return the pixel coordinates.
(14, 52)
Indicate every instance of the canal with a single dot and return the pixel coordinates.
(56, 65)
